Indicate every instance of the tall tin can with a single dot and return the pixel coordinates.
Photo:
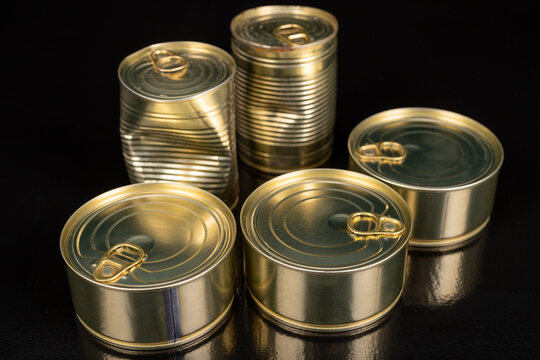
(285, 86)
(177, 117)
(325, 249)
(151, 265)
(445, 165)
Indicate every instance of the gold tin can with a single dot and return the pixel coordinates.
(177, 117)
(325, 249)
(445, 165)
(286, 78)
(151, 265)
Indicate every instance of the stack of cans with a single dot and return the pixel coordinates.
(286, 77)
(177, 117)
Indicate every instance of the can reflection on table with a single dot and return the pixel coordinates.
(177, 117)
(443, 277)
(272, 341)
(285, 86)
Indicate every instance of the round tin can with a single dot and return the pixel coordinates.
(151, 265)
(325, 249)
(177, 117)
(445, 165)
(286, 78)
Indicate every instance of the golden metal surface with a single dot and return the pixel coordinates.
(304, 264)
(177, 117)
(365, 226)
(448, 175)
(172, 246)
(118, 261)
(286, 78)
(384, 152)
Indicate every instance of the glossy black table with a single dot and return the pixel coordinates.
(62, 148)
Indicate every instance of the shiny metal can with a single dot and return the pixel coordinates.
(177, 117)
(445, 165)
(325, 249)
(151, 265)
(286, 78)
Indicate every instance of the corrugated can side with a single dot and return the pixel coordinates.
(285, 86)
(177, 117)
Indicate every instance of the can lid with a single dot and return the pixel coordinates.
(175, 70)
(282, 26)
(425, 148)
(326, 220)
(148, 235)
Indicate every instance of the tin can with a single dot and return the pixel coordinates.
(445, 165)
(325, 249)
(151, 265)
(286, 78)
(177, 117)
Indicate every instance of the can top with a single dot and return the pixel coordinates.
(425, 148)
(175, 70)
(284, 27)
(148, 236)
(326, 220)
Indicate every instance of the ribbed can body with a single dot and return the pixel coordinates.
(180, 128)
(285, 92)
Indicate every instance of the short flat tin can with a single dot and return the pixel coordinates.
(445, 165)
(325, 249)
(151, 265)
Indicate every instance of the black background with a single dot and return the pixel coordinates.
(61, 147)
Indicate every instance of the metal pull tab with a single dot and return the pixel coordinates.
(366, 226)
(388, 152)
(118, 261)
(292, 34)
(167, 62)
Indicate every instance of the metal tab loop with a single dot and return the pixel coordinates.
(388, 152)
(118, 261)
(165, 61)
(292, 34)
(366, 226)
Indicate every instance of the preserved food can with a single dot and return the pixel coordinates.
(286, 78)
(151, 265)
(325, 249)
(445, 165)
(177, 117)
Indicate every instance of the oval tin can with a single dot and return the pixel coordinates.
(286, 80)
(177, 117)
(325, 249)
(151, 265)
(445, 165)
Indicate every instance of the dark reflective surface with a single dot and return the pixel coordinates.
(62, 147)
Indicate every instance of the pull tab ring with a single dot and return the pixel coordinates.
(165, 61)
(388, 152)
(292, 34)
(365, 226)
(118, 261)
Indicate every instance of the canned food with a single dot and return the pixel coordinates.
(285, 86)
(445, 165)
(177, 117)
(325, 249)
(151, 265)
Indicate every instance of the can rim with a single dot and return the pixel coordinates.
(494, 143)
(289, 8)
(225, 55)
(400, 202)
(117, 193)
